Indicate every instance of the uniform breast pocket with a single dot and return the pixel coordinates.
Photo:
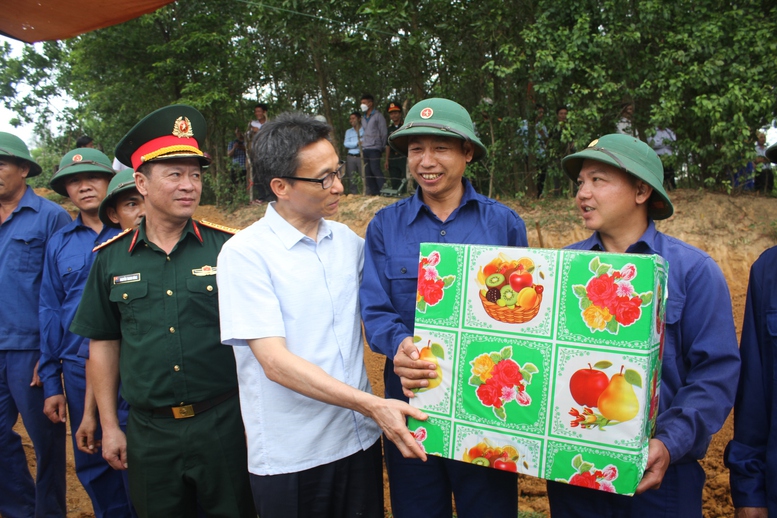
(402, 273)
(70, 266)
(28, 248)
(674, 314)
(202, 301)
(132, 299)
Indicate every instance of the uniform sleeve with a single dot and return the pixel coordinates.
(704, 364)
(382, 324)
(516, 233)
(745, 455)
(97, 316)
(52, 295)
(350, 141)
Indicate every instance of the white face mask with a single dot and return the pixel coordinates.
(364, 107)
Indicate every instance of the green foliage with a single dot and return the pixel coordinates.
(703, 69)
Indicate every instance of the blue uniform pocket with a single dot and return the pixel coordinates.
(28, 246)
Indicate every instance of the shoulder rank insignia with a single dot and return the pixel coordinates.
(228, 230)
(111, 240)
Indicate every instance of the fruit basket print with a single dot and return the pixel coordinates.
(508, 289)
(608, 301)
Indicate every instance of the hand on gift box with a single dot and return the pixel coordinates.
(657, 464)
(413, 372)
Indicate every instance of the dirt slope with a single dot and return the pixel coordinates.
(733, 230)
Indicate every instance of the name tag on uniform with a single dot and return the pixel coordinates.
(205, 270)
(124, 279)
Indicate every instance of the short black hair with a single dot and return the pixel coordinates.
(561, 108)
(358, 114)
(369, 97)
(275, 150)
(83, 141)
(262, 106)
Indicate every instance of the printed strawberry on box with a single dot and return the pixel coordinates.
(548, 361)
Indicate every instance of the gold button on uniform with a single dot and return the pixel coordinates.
(125, 296)
(172, 330)
(209, 288)
(176, 368)
(169, 293)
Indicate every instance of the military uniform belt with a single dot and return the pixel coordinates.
(186, 411)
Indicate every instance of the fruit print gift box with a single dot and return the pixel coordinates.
(548, 360)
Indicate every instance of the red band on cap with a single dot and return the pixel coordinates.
(159, 143)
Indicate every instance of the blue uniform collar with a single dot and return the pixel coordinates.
(417, 205)
(29, 200)
(646, 244)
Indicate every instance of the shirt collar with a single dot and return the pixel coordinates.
(417, 205)
(646, 244)
(288, 233)
(29, 200)
(140, 234)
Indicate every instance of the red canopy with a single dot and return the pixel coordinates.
(41, 20)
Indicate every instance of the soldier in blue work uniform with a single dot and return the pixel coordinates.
(27, 221)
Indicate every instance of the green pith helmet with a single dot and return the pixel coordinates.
(441, 117)
(171, 132)
(122, 182)
(80, 160)
(11, 145)
(631, 155)
(771, 153)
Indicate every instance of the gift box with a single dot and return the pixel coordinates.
(549, 361)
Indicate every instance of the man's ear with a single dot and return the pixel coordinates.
(280, 188)
(644, 191)
(141, 183)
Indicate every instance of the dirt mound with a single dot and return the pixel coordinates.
(733, 230)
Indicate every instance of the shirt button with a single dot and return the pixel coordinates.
(168, 257)
(403, 270)
(442, 232)
(176, 368)
(70, 269)
(169, 293)
(125, 296)
(209, 288)
(172, 330)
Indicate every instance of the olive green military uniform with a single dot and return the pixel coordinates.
(164, 309)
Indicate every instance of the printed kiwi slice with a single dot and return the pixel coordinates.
(481, 461)
(508, 295)
(495, 280)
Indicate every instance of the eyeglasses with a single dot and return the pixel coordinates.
(327, 181)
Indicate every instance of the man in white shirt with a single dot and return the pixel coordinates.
(289, 304)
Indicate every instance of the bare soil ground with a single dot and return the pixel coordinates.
(733, 230)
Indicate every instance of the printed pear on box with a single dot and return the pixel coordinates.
(511, 289)
(600, 397)
(436, 346)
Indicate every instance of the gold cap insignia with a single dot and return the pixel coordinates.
(77, 158)
(183, 128)
(427, 113)
(205, 270)
(593, 142)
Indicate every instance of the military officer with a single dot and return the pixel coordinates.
(150, 307)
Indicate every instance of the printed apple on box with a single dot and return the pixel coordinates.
(548, 361)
